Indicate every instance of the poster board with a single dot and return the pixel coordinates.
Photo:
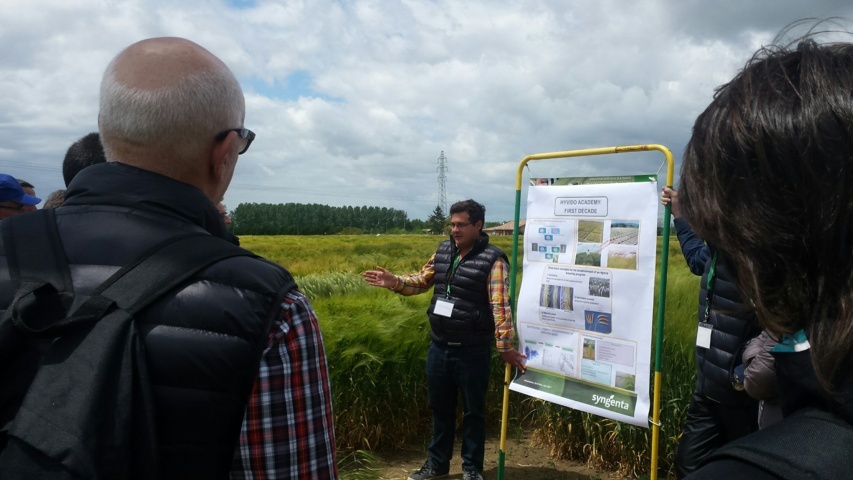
(584, 310)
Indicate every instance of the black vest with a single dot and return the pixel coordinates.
(204, 340)
(472, 321)
(734, 324)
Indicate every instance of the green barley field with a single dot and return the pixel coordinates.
(376, 345)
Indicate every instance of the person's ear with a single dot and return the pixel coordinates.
(220, 155)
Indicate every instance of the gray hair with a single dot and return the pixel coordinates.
(181, 118)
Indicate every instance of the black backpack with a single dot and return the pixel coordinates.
(73, 380)
(811, 444)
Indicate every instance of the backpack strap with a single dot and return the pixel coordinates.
(133, 287)
(32, 240)
(158, 270)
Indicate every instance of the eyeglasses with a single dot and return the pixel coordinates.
(19, 207)
(459, 225)
(243, 134)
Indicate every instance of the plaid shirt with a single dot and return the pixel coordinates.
(288, 429)
(421, 282)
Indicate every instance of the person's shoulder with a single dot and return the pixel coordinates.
(497, 252)
(493, 248)
(443, 246)
(252, 265)
(251, 272)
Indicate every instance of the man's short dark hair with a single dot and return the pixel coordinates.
(25, 184)
(83, 153)
(476, 212)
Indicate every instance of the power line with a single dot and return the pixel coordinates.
(32, 166)
(245, 186)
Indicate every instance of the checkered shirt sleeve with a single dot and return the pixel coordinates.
(288, 430)
(416, 283)
(501, 310)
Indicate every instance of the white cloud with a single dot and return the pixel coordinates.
(391, 84)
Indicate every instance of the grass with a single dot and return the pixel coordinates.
(376, 345)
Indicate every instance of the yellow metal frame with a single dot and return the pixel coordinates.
(661, 294)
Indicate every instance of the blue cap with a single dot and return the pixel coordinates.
(11, 191)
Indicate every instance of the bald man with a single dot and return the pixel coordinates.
(234, 356)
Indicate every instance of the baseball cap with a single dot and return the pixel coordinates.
(11, 191)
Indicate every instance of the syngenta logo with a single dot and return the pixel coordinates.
(610, 402)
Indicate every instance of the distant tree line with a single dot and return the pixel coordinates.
(315, 219)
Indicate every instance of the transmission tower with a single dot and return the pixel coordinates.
(442, 182)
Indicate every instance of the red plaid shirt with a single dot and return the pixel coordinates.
(288, 429)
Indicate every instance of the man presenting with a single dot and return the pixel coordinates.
(470, 304)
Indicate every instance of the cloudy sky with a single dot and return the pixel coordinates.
(354, 101)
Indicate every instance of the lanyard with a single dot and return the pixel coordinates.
(709, 286)
(452, 272)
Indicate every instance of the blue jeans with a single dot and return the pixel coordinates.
(450, 371)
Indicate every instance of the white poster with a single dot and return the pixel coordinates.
(584, 312)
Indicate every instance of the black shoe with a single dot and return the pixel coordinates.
(471, 475)
(428, 472)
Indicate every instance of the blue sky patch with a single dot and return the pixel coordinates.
(241, 4)
(297, 85)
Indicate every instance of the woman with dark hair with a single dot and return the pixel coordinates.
(768, 179)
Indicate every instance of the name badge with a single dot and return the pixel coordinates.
(703, 335)
(444, 307)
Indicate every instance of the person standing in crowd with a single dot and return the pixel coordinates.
(14, 200)
(30, 190)
(55, 199)
(85, 152)
(235, 357)
(720, 410)
(469, 310)
(222, 211)
(768, 179)
(227, 219)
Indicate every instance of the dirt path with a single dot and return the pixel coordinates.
(522, 462)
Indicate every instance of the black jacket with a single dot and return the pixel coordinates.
(734, 325)
(472, 321)
(733, 322)
(203, 341)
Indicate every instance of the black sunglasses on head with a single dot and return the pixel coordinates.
(244, 134)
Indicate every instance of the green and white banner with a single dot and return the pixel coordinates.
(584, 312)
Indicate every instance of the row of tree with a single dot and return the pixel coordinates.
(315, 219)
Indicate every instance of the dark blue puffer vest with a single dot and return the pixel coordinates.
(734, 324)
(203, 341)
(472, 321)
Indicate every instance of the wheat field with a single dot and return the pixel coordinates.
(376, 345)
